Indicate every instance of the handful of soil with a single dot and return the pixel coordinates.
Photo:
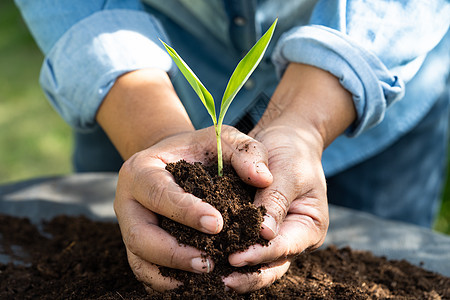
(241, 218)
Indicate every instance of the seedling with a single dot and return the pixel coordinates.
(240, 75)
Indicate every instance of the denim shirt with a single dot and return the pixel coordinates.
(382, 51)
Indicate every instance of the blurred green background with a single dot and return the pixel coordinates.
(34, 140)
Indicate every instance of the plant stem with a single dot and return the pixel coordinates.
(218, 128)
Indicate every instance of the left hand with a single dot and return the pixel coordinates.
(297, 211)
(146, 190)
(308, 110)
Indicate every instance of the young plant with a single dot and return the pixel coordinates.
(240, 75)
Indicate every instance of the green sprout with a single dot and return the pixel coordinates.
(240, 75)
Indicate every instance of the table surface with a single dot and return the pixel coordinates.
(92, 194)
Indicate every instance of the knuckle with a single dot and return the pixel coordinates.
(127, 167)
(168, 199)
(175, 258)
(182, 200)
(279, 248)
(148, 275)
(278, 203)
(116, 205)
(256, 281)
(155, 193)
(156, 197)
(256, 131)
(324, 222)
(137, 267)
(250, 146)
(284, 248)
(270, 278)
(260, 280)
(248, 282)
(233, 136)
(131, 239)
(322, 229)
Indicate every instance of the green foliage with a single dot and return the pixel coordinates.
(237, 80)
(193, 80)
(443, 220)
(244, 69)
(34, 140)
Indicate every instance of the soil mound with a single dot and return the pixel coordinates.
(77, 258)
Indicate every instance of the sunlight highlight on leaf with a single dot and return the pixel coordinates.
(196, 84)
(244, 70)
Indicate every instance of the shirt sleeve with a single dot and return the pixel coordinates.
(87, 45)
(373, 47)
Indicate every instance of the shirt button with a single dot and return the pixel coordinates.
(250, 84)
(239, 21)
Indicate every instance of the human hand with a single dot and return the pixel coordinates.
(296, 203)
(145, 189)
(295, 128)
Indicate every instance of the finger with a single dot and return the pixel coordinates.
(293, 178)
(149, 274)
(146, 240)
(247, 156)
(155, 189)
(277, 198)
(243, 283)
(303, 229)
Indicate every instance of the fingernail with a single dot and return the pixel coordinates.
(241, 264)
(262, 168)
(210, 224)
(270, 223)
(226, 281)
(201, 265)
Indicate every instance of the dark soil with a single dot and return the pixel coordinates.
(233, 199)
(77, 258)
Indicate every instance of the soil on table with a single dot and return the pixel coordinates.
(77, 258)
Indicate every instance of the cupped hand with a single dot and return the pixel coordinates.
(296, 203)
(308, 110)
(145, 190)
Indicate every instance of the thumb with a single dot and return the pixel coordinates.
(278, 196)
(247, 156)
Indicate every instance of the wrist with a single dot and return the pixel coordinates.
(311, 100)
(140, 110)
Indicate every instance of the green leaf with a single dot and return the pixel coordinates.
(199, 88)
(244, 70)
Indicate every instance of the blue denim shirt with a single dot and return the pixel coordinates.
(381, 51)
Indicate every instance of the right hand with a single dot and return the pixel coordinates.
(308, 110)
(145, 190)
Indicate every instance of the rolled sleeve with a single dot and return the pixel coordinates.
(374, 47)
(360, 72)
(84, 63)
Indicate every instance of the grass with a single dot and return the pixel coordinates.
(34, 140)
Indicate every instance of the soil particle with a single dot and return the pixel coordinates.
(244, 148)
